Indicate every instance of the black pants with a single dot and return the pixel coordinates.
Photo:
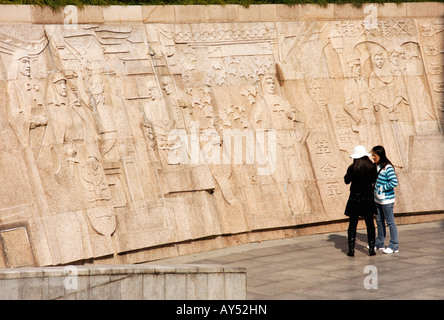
(370, 228)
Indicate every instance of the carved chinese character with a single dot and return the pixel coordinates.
(328, 169)
(333, 188)
(322, 147)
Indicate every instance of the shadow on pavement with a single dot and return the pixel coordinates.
(340, 242)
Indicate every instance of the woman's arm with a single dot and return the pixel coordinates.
(392, 180)
(349, 175)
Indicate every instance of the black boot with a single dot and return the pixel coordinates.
(351, 246)
(371, 237)
(371, 248)
(371, 251)
(351, 233)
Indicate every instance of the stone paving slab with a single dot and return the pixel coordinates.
(316, 266)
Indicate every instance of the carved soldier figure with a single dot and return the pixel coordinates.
(181, 108)
(398, 89)
(274, 112)
(71, 124)
(75, 138)
(359, 105)
(381, 87)
(26, 113)
(158, 118)
(421, 105)
(97, 89)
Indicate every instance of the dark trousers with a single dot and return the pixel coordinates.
(370, 228)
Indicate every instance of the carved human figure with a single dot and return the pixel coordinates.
(359, 106)
(76, 142)
(178, 102)
(399, 92)
(26, 112)
(272, 112)
(386, 101)
(75, 135)
(71, 124)
(424, 117)
(95, 90)
(158, 118)
(378, 83)
(155, 110)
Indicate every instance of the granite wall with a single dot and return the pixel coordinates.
(129, 134)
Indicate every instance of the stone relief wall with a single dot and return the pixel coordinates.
(115, 138)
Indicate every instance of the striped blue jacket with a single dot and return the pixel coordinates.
(385, 185)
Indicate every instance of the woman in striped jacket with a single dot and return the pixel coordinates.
(385, 199)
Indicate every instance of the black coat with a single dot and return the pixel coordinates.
(360, 201)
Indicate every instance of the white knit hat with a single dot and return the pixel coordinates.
(359, 152)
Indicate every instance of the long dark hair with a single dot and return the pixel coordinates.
(363, 165)
(383, 160)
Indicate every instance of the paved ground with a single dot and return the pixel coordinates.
(316, 267)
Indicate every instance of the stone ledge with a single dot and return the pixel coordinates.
(15, 13)
(228, 13)
(189, 14)
(429, 9)
(129, 282)
(311, 12)
(46, 15)
(119, 14)
(93, 270)
(158, 14)
(387, 10)
(215, 13)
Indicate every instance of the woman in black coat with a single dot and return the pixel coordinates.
(362, 175)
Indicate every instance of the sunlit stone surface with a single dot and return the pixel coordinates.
(129, 134)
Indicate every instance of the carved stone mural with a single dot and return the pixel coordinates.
(120, 138)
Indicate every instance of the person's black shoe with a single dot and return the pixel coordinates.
(351, 247)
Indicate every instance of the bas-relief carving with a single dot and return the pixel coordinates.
(98, 111)
(26, 112)
(274, 112)
(359, 106)
(225, 68)
(432, 49)
(386, 94)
